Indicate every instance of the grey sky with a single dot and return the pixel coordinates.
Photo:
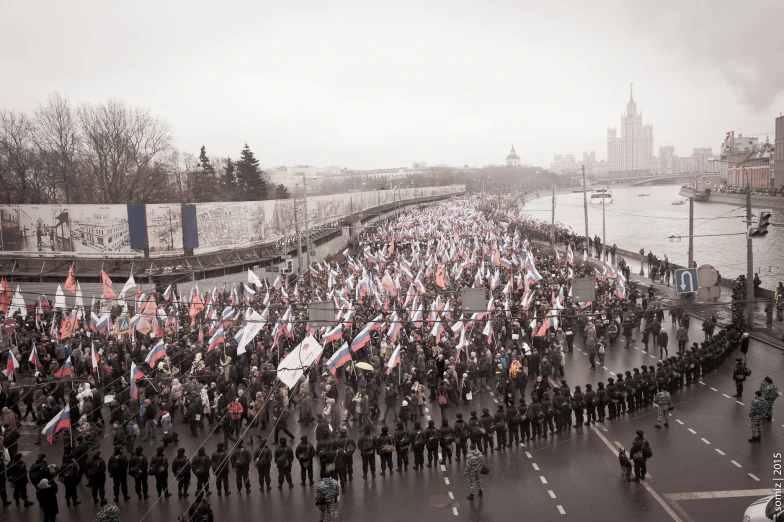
(367, 85)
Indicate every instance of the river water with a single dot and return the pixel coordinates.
(635, 222)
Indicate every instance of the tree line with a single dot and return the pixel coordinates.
(113, 153)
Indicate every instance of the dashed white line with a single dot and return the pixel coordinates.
(561, 510)
(604, 367)
(705, 441)
(544, 480)
(754, 477)
(454, 510)
(720, 452)
(446, 481)
(692, 431)
(714, 389)
(495, 401)
(443, 468)
(551, 492)
(451, 495)
(491, 394)
(726, 395)
(703, 383)
(679, 421)
(738, 465)
(427, 410)
(636, 348)
(740, 403)
(651, 356)
(536, 468)
(527, 454)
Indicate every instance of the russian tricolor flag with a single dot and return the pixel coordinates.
(620, 289)
(13, 364)
(218, 337)
(136, 374)
(394, 327)
(394, 360)
(313, 272)
(277, 284)
(157, 353)
(338, 359)
(34, 359)
(66, 370)
(60, 422)
(235, 299)
(248, 293)
(361, 339)
(227, 316)
(167, 293)
(334, 334)
(94, 357)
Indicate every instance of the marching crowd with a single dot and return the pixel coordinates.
(402, 340)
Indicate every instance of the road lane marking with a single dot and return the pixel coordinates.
(451, 495)
(726, 395)
(720, 452)
(604, 367)
(427, 410)
(714, 389)
(703, 495)
(544, 480)
(527, 454)
(692, 431)
(644, 483)
(561, 509)
(740, 403)
(705, 441)
(679, 421)
(754, 477)
(551, 492)
(536, 468)
(736, 463)
(446, 481)
(651, 356)
(443, 468)
(454, 510)
(703, 383)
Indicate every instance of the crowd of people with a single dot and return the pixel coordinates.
(402, 340)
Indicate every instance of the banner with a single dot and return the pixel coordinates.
(223, 226)
(164, 229)
(291, 369)
(65, 230)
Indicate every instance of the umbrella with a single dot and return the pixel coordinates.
(363, 366)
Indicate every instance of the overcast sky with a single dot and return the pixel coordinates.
(363, 85)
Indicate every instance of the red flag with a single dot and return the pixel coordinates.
(108, 291)
(496, 257)
(5, 295)
(70, 282)
(196, 306)
(440, 277)
(69, 326)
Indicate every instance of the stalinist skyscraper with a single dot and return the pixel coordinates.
(633, 150)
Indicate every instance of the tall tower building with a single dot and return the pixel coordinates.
(633, 149)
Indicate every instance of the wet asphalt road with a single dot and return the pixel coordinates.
(572, 476)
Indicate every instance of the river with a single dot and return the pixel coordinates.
(635, 222)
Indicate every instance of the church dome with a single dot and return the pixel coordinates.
(512, 155)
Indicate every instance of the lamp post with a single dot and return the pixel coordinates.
(305, 205)
(749, 251)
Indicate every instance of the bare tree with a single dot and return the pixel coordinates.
(57, 137)
(23, 176)
(183, 166)
(127, 152)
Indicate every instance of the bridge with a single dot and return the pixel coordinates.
(653, 180)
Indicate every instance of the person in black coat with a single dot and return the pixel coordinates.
(201, 468)
(46, 493)
(3, 492)
(284, 456)
(138, 468)
(305, 453)
(159, 467)
(97, 476)
(181, 467)
(17, 474)
(220, 468)
(640, 453)
(69, 475)
(118, 469)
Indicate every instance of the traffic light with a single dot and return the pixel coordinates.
(763, 223)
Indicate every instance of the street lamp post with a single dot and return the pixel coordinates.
(749, 250)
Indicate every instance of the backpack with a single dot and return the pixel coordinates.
(244, 458)
(419, 441)
(432, 440)
(442, 400)
(449, 438)
(282, 461)
(368, 446)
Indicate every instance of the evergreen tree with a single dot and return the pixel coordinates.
(250, 179)
(204, 180)
(229, 182)
(281, 192)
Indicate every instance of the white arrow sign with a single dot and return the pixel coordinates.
(683, 281)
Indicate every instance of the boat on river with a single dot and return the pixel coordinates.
(642, 195)
(601, 194)
(679, 202)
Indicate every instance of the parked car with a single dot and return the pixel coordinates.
(764, 509)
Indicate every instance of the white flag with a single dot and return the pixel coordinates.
(253, 278)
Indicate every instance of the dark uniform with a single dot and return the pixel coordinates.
(262, 459)
(549, 414)
(461, 437)
(386, 446)
(159, 466)
(181, 468)
(240, 461)
(284, 457)
(97, 476)
(640, 453)
(118, 469)
(201, 468)
(501, 431)
(70, 475)
(349, 447)
(219, 461)
(367, 446)
(402, 444)
(137, 468)
(487, 423)
(305, 452)
(431, 436)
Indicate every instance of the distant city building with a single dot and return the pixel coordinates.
(756, 165)
(735, 145)
(512, 159)
(631, 153)
(778, 154)
(418, 164)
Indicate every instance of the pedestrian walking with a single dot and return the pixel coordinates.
(473, 468)
(327, 494)
(663, 403)
(46, 493)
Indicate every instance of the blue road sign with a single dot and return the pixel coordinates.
(686, 280)
(123, 325)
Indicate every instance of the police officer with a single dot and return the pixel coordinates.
(487, 422)
(591, 401)
(559, 405)
(535, 414)
(367, 446)
(662, 401)
(513, 421)
(220, 468)
(336, 458)
(160, 465)
(640, 453)
(97, 476)
(386, 445)
(240, 461)
(322, 450)
(69, 474)
(739, 375)
(499, 423)
(461, 437)
(402, 443)
(137, 468)
(305, 452)
(349, 447)
(284, 457)
(446, 436)
(181, 468)
(431, 436)
(262, 459)
(578, 406)
(201, 468)
(118, 469)
(757, 411)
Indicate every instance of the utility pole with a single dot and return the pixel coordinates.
(691, 237)
(305, 204)
(299, 238)
(749, 257)
(585, 210)
(552, 221)
(604, 233)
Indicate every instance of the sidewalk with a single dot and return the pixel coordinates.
(768, 334)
